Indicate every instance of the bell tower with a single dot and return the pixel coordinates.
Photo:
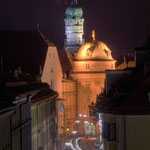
(73, 27)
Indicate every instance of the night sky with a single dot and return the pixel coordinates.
(121, 24)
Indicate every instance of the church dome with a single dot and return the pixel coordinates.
(74, 11)
(95, 50)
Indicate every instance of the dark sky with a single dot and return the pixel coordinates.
(121, 24)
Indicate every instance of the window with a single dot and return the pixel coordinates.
(112, 130)
(88, 86)
(77, 22)
(52, 70)
(52, 84)
(112, 65)
(87, 66)
(88, 98)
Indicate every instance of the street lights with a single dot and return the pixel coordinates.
(84, 115)
(74, 132)
(82, 122)
(77, 121)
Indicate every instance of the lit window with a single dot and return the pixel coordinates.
(87, 66)
(88, 85)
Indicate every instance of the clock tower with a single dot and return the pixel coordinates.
(73, 27)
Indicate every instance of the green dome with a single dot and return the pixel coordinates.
(74, 11)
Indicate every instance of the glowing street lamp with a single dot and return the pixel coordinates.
(86, 121)
(80, 115)
(67, 143)
(84, 116)
(74, 132)
(77, 121)
(67, 129)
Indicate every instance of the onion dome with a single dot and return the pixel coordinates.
(95, 50)
(74, 10)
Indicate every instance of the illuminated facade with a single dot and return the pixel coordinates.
(88, 70)
(89, 67)
(78, 72)
(73, 28)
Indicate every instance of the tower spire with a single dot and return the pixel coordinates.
(74, 2)
(73, 27)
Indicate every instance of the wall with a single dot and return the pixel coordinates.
(88, 66)
(21, 126)
(52, 72)
(70, 98)
(90, 77)
(137, 132)
(44, 125)
(5, 130)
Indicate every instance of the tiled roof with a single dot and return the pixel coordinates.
(26, 49)
(9, 93)
(64, 60)
(127, 97)
(137, 101)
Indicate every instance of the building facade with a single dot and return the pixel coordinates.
(44, 120)
(28, 117)
(83, 77)
(124, 107)
(15, 119)
(78, 73)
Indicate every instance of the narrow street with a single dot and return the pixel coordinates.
(81, 143)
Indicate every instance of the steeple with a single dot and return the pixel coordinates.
(73, 27)
(74, 2)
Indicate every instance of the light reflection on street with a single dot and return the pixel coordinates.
(81, 143)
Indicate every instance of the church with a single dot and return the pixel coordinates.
(77, 73)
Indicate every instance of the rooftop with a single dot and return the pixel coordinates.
(24, 49)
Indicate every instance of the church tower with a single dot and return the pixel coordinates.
(73, 27)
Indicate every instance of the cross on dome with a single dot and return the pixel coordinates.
(93, 35)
